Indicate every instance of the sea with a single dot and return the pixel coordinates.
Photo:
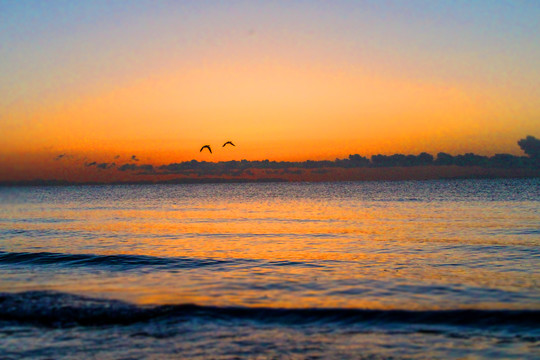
(443, 269)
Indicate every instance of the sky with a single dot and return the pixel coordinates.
(284, 80)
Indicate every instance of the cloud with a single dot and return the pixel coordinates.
(470, 159)
(530, 146)
(181, 167)
(102, 166)
(235, 168)
(444, 159)
(402, 160)
(146, 168)
(105, 166)
(128, 167)
(65, 156)
(117, 157)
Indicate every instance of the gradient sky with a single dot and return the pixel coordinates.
(285, 80)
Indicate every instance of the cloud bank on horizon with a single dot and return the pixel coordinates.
(529, 145)
(422, 166)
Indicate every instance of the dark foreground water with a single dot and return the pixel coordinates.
(422, 270)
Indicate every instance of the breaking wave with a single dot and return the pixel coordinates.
(56, 309)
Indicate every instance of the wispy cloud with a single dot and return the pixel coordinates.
(105, 166)
(101, 166)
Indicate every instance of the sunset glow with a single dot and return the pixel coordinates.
(105, 81)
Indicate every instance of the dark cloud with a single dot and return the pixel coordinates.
(358, 160)
(182, 167)
(470, 159)
(102, 166)
(402, 160)
(127, 167)
(146, 168)
(530, 146)
(65, 156)
(444, 159)
(507, 161)
(235, 168)
(105, 166)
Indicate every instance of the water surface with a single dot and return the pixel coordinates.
(418, 269)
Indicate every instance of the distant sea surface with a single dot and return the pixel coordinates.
(411, 269)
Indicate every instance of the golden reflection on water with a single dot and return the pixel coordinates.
(334, 253)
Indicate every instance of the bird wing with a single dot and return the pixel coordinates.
(206, 146)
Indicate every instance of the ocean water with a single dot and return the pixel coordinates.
(360, 270)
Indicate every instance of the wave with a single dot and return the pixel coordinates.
(118, 262)
(127, 262)
(56, 309)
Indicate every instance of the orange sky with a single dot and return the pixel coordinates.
(284, 82)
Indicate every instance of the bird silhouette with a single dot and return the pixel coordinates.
(228, 142)
(206, 146)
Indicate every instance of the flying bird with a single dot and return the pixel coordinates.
(206, 146)
(228, 142)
